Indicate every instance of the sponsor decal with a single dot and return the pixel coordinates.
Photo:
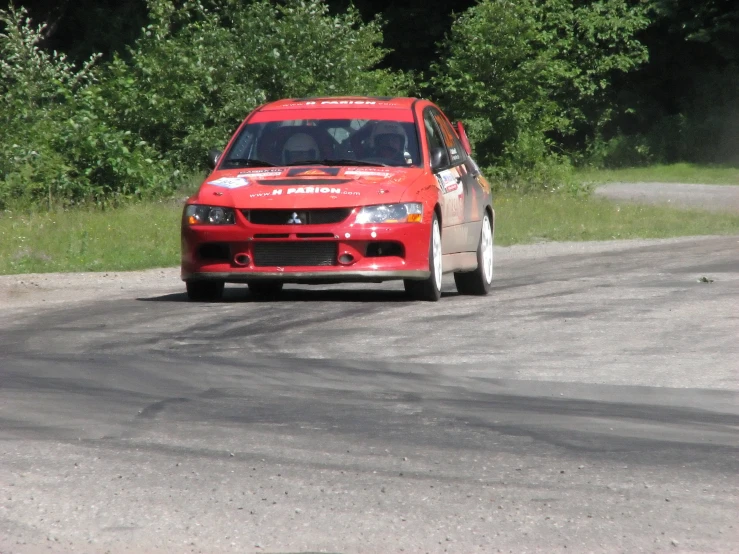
(332, 171)
(367, 173)
(259, 173)
(448, 181)
(334, 103)
(302, 181)
(342, 102)
(447, 177)
(332, 191)
(313, 190)
(371, 179)
(453, 199)
(231, 182)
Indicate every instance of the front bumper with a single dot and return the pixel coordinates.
(360, 253)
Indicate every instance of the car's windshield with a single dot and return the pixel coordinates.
(325, 141)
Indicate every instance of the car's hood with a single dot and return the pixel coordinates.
(307, 187)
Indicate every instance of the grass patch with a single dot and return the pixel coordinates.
(137, 236)
(528, 219)
(673, 173)
(146, 234)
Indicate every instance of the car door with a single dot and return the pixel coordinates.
(471, 192)
(450, 188)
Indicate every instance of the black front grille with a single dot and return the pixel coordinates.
(306, 217)
(291, 254)
(315, 235)
(271, 235)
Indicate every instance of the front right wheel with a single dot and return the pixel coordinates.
(479, 281)
(429, 289)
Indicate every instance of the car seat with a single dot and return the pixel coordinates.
(300, 147)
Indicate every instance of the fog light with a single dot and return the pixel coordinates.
(346, 259)
(241, 259)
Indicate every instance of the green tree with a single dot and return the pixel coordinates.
(714, 22)
(58, 146)
(200, 68)
(683, 105)
(524, 73)
(97, 131)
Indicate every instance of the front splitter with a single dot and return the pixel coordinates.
(367, 276)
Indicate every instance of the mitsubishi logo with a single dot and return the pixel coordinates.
(294, 219)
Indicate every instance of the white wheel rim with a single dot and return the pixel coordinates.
(487, 250)
(436, 249)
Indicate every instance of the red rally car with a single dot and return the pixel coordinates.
(326, 190)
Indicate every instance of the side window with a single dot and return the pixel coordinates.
(456, 152)
(433, 137)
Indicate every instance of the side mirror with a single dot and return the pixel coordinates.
(462, 134)
(438, 158)
(213, 156)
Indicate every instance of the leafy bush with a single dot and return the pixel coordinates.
(522, 73)
(619, 151)
(200, 68)
(103, 133)
(531, 168)
(58, 146)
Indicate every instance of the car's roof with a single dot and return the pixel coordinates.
(336, 107)
(333, 102)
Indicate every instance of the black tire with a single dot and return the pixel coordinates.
(265, 289)
(429, 290)
(204, 291)
(479, 281)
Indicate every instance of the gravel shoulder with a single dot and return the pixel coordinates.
(704, 197)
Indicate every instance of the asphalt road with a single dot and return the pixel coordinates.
(589, 404)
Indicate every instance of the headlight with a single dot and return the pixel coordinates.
(208, 215)
(410, 212)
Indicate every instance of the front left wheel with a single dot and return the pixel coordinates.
(204, 291)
